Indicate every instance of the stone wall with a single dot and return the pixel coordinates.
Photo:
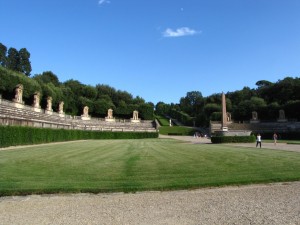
(261, 127)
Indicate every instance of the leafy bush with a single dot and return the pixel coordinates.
(293, 135)
(15, 135)
(233, 139)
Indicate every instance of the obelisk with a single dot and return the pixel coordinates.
(224, 114)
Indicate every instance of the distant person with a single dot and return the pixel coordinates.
(275, 137)
(258, 140)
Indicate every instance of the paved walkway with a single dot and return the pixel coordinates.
(276, 204)
(278, 146)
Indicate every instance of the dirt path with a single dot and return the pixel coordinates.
(255, 204)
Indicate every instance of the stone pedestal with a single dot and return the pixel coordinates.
(49, 112)
(110, 119)
(85, 117)
(36, 109)
(61, 114)
(224, 128)
(18, 105)
(282, 120)
(135, 121)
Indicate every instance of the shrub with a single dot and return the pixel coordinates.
(233, 139)
(15, 135)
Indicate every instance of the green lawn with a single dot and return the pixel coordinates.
(136, 165)
(177, 130)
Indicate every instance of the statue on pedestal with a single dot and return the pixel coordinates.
(61, 108)
(254, 115)
(110, 117)
(86, 111)
(282, 116)
(135, 115)
(49, 104)
(36, 100)
(110, 114)
(19, 94)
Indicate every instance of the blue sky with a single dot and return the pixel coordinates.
(159, 49)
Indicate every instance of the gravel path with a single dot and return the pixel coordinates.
(277, 203)
(255, 204)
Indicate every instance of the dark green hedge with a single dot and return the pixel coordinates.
(15, 135)
(233, 139)
(293, 135)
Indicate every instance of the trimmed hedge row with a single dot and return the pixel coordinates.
(292, 135)
(233, 139)
(16, 135)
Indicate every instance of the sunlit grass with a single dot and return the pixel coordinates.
(137, 165)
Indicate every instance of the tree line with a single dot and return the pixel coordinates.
(267, 99)
(193, 109)
(75, 95)
(15, 60)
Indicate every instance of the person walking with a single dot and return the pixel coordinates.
(275, 137)
(258, 140)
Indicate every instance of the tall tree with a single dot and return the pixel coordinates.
(25, 65)
(13, 59)
(47, 77)
(192, 103)
(3, 51)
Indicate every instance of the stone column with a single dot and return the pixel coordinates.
(224, 114)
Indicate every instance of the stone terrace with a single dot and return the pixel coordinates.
(27, 116)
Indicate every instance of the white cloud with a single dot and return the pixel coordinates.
(101, 2)
(179, 32)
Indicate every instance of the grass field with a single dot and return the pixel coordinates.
(137, 165)
(177, 130)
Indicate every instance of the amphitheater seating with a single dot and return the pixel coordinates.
(26, 116)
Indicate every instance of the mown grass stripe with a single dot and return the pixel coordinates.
(133, 165)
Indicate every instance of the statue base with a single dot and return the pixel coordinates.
(282, 120)
(61, 114)
(134, 121)
(48, 112)
(224, 128)
(85, 117)
(19, 105)
(37, 109)
(254, 121)
(110, 119)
